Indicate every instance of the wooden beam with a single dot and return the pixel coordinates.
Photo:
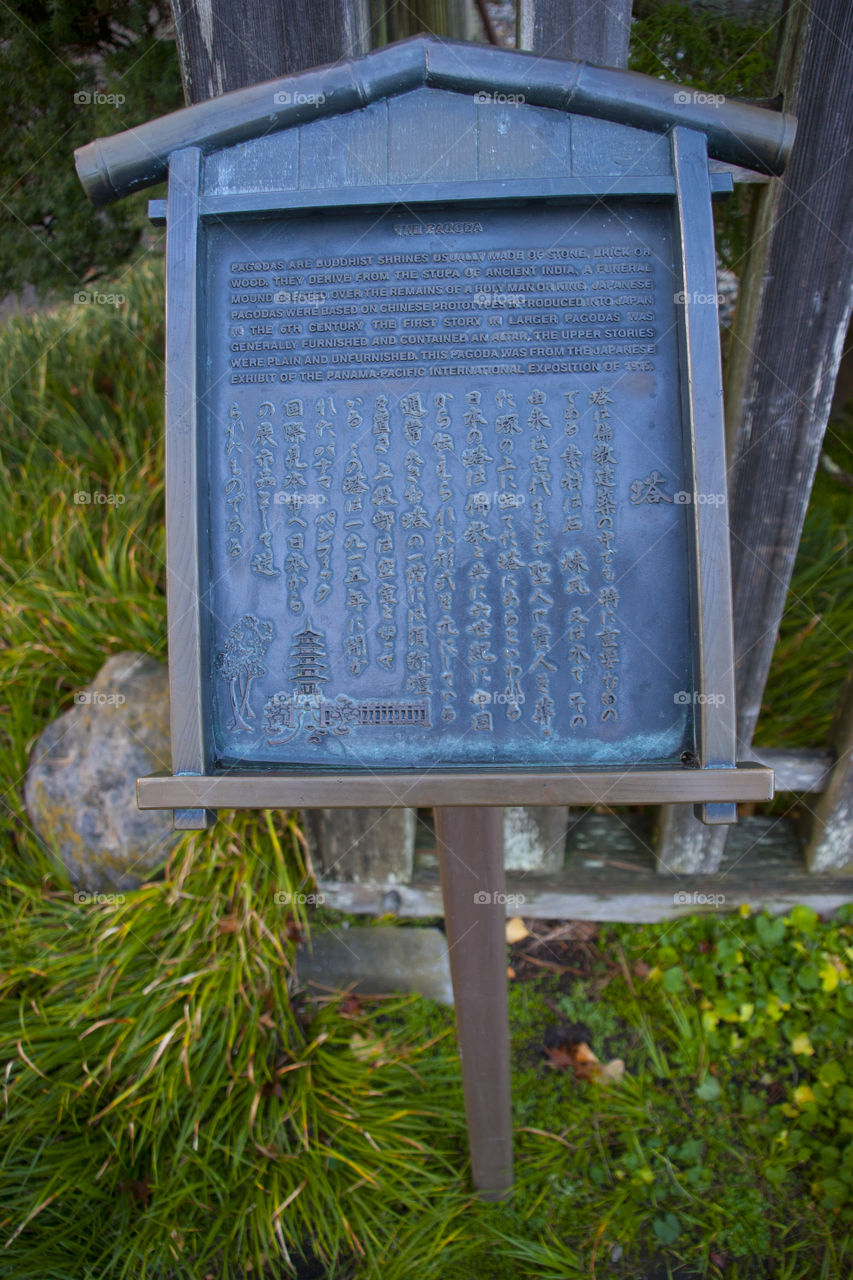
(609, 875)
(830, 841)
(789, 332)
(595, 30)
(223, 46)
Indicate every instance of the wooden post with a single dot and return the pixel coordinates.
(830, 828)
(225, 46)
(792, 317)
(595, 31)
(470, 859)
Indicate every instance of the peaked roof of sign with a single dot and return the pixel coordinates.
(737, 132)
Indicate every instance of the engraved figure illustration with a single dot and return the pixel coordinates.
(305, 708)
(241, 662)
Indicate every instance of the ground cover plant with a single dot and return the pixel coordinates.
(173, 1104)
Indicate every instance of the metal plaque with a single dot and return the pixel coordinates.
(445, 496)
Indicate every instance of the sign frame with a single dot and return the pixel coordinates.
(709, 777)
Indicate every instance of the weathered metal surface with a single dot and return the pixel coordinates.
(423, 788)
(444, 464)
(737, 132)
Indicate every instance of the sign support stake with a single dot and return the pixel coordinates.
(470, 859)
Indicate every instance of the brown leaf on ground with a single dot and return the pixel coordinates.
(516, 929)
(560, 1057)
(585, 1064)
(641, 969)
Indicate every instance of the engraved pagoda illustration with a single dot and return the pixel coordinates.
(306, 708)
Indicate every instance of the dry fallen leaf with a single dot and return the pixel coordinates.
(516, 929)
(585, 1064)
(559, 1057)
(612, 1072)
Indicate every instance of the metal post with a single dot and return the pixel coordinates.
(470, 856)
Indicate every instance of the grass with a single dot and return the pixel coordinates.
(174, 1106)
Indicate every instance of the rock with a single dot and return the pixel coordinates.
(80, 788)
(377, 961)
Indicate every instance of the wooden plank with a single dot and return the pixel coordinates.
(597, 32)
(609, 875)
(243, 790)
(795, 304)
(801, 771)
(222, 48)
(830, 843)
(183, 483)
